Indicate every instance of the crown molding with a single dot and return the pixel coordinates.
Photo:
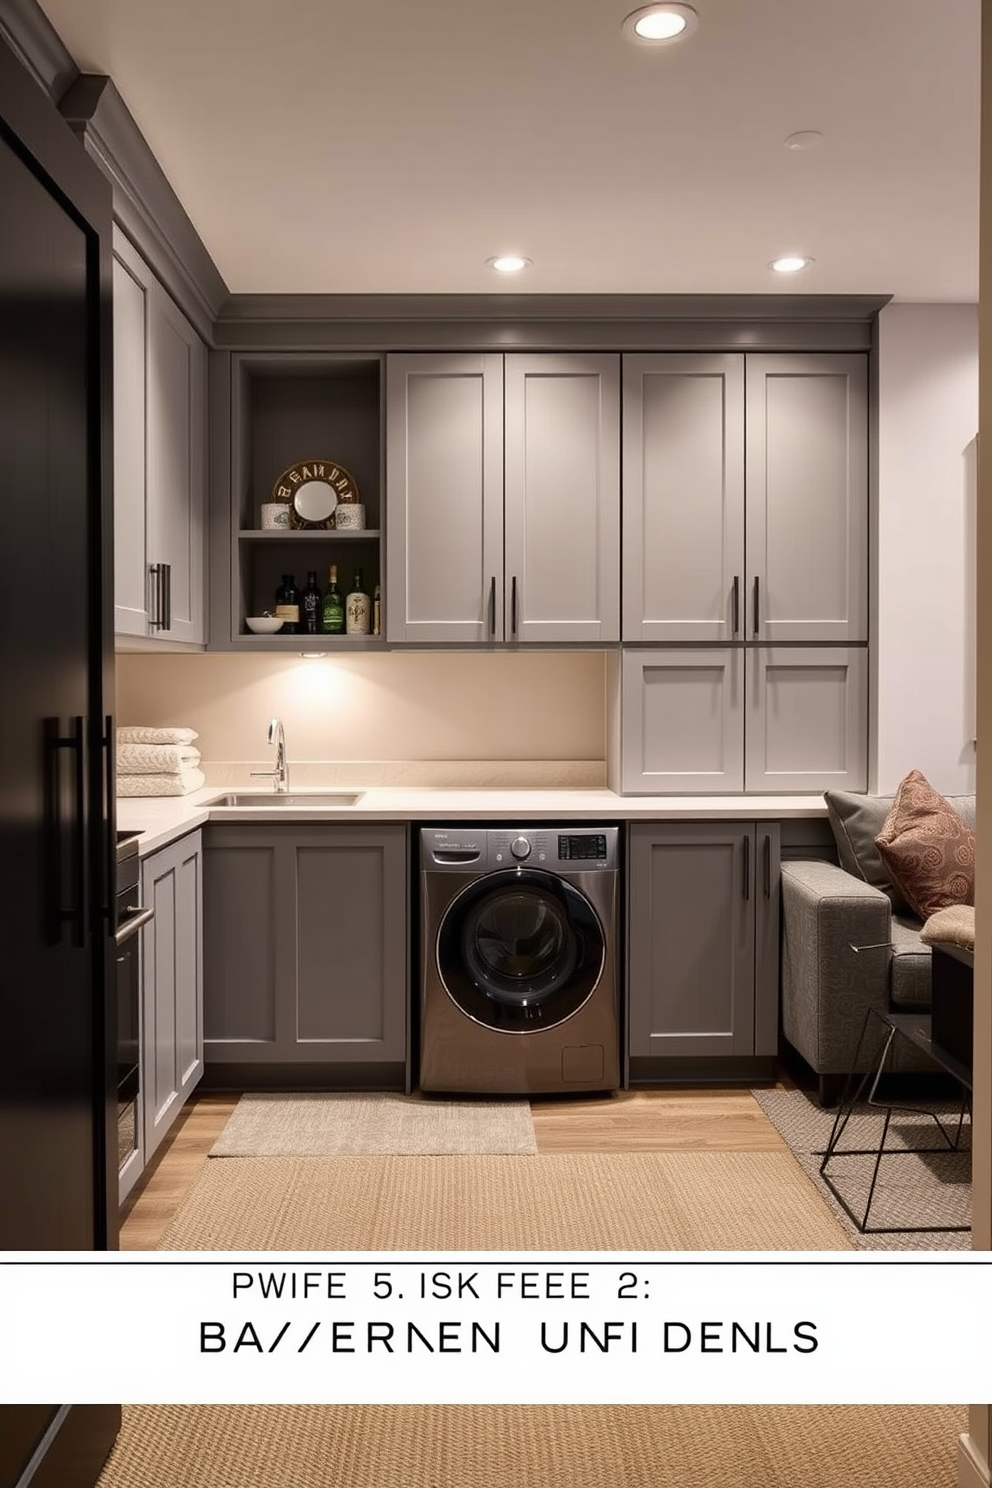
(37, 46)
(145, 205)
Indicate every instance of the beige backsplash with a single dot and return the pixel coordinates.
(397, 718)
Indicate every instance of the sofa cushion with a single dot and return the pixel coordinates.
(928, 848)
(856, 820)
(910, 968)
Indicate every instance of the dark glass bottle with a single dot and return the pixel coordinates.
(312, 597)
(288, 605)
(332, 614)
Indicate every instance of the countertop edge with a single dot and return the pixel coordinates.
(161, 820)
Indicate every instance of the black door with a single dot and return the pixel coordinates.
(520, 950)
(57, 1076)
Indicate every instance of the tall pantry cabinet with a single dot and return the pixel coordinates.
(745, 551)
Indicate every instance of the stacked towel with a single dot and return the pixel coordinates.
(157, 762)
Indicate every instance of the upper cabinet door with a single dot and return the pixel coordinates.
(444, 485)
(683, 498)
(807, 498)
(177, 399)
(131, 281)
(562, 442)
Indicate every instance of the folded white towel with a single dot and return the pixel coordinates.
(155, 759)
(161, 785)
(137, 735)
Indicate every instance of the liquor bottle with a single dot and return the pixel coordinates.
(358, 608)
(332, 615)
(311, 604)
(288, 605)
(377, 611)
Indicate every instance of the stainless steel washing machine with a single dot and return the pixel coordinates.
(520, 963)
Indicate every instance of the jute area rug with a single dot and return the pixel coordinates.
(554, 1202)
(359, 1124)
(494, 1446)
(934, 1189)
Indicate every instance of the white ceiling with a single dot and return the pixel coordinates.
(391, 146)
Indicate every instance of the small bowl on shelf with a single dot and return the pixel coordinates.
(263, 624)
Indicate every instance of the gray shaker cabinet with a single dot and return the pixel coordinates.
(160, 458)
(172, 985)
(807, 498)
(719, 719)
(745, 498)
(683, 497)
(703, 940)
(306, 958)
(503, 489)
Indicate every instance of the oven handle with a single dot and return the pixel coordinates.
(134, 924)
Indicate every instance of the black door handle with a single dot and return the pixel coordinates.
(768, 866)
(157, 621)
(492, 605)
(167, 603)
(737, 603)
(513, 607)
(109, 745)
(747, 867)
(66, 868)
(756, 604)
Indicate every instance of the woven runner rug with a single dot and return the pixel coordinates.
(360, 1124)
(503, 1446)
(554, 1201)
(934, 1189)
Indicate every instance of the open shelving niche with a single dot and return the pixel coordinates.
(287, 409)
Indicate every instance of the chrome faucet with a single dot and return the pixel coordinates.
(280, 775)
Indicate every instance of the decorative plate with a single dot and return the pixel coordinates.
(313, 489)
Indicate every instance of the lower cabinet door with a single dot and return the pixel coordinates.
(703, 939)
(306, 951)
(172, 985)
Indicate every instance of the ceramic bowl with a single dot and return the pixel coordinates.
(263, 624)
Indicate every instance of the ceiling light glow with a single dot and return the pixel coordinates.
(789, 263)
(508, 263)
(655, 25)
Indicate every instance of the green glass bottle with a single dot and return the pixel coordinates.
(332, 612)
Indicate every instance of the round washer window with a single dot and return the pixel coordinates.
(520, 950)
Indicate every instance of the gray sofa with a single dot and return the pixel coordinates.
(828, 908)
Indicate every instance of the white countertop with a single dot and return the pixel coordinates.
(161, 819)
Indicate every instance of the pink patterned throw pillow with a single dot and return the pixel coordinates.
(928, 849)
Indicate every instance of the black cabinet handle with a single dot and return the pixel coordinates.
(66, 890)
(513, 607)
(492, 605)
(768, 866)
(109, 746)
(737, 603)
(156, 620)
(747, 867)
(756, 604)
(167, 601)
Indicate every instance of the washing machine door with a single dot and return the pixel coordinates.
(520, 950)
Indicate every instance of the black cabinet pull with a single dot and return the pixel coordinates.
(756, 604)
(109, 745)
(66, 890)
(513, 606)
(737, 603)
(156, 620)
(492, 605)
(768, 866)
(747, 867)
(167, 602)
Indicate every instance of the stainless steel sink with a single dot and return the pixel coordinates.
(330, 800)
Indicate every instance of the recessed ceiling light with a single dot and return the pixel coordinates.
(789, 263)
(803, 139)
(654, 25)
(508, 263)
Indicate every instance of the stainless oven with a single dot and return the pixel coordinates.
(130, 917)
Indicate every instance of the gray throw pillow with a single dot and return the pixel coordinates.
(856, 820)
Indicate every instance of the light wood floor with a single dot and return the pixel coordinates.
(714, 1119)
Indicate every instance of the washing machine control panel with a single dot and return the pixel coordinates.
(555, 849)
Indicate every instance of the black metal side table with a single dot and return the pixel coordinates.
(915, 1028)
